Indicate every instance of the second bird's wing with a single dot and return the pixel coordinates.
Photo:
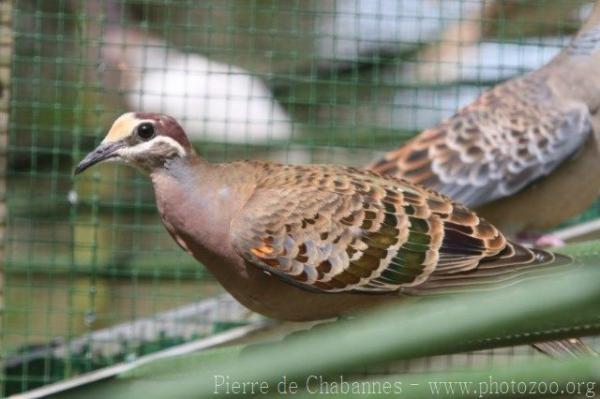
(508, 138)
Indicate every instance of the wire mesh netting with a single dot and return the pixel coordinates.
(293, 81)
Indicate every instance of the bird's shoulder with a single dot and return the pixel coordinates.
(331, 179)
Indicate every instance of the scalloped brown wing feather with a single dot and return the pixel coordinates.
(512, 135)
(336, 229)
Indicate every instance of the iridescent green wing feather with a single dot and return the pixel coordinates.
(334, 229)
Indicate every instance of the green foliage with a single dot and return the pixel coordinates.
(534, 311)
(96, 247)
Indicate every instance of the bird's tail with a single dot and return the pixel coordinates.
(514, 264)
(567, 347)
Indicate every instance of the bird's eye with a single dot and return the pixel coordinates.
(145, 131)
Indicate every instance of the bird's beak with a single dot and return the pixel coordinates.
(103, 152)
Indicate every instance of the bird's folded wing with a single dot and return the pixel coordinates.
(332, 229)
(508, 138)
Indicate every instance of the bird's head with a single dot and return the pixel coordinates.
(147, 141)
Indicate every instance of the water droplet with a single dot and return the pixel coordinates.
(72, 197)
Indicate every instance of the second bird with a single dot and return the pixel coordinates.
(525, 152)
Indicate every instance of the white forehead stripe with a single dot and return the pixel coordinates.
(123, 127)
(145, 146)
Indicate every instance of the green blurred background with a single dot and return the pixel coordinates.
(354, 77)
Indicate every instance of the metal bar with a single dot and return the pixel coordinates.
(113, 371)
(6, 46)
(578, 231)
(186, 322)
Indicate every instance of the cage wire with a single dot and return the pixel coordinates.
(90, 278)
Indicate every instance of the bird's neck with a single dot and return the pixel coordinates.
(582, 56)
(574, 72)
(198, 200)
(593, 19)
(586, 43)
